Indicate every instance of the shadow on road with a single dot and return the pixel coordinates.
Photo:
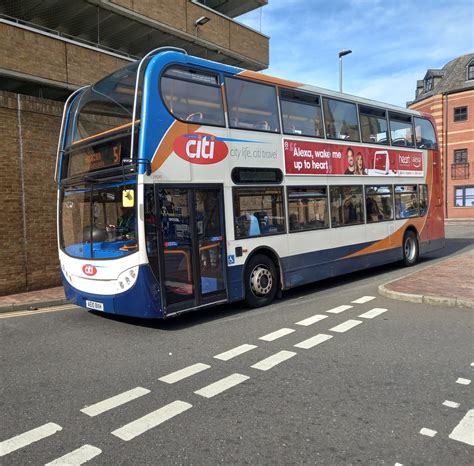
(453, 246)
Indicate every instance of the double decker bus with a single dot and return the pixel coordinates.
(184, 183)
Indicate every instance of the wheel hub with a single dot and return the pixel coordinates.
(261, 280)
(410, 249)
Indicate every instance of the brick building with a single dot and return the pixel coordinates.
(448, 94)
(48, 49)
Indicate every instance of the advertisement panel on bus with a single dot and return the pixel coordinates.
(322, 158)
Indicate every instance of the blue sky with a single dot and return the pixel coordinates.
(393, 43)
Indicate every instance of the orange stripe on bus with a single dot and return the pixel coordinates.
(395, 239)
(269, 79)
(116, 128)
(165, 148)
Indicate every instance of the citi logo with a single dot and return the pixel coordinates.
(89, 270)
(200, 148)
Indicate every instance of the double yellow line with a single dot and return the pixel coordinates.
(66, 307)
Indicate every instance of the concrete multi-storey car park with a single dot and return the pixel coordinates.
(50, 48)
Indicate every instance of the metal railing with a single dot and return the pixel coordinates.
(459, 171)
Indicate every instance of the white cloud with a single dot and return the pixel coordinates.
(393, 43)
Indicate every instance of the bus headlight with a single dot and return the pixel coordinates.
(127, 279)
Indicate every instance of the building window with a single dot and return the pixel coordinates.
(460, 156)
(428, 84)
(464, 196)
(460, 114)
(470, 70)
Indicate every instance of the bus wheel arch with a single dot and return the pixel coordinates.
(410, 246)
(262, 277)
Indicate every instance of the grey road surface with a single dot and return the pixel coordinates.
(331, 374)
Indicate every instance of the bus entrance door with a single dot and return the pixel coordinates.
(192, 246)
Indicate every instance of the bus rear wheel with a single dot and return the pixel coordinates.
(261, 281)
(410, 249)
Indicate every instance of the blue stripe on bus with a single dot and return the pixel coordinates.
(155, 118)
(313, 266)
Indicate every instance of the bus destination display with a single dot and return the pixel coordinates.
(96, 157)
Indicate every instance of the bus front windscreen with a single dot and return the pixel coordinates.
(100, 123)
(99, 222)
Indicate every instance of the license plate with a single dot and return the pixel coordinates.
(95, 305)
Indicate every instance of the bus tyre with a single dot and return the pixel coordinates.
(261, 281)
(410, 249)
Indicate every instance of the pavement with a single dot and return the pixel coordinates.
(434, 284)
(447, 283)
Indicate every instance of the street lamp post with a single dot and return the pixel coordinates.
(342, 53)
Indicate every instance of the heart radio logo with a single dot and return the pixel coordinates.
(200, 148)
(89, 270)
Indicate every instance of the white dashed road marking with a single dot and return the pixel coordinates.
(76, 457)
(311, 320)
(313, 341)
(184, 373)
(463, 381)
(221, 385)
(113, 402)
(345, 326)
(234, 352)
(273, 360)
(428, 432)
(363, 300)
(23, 440)
(278, 334)
(451, 404)
(339, 309)
(376, 311)
(464, 431)
(138, 427)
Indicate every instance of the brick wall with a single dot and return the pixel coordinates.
(451, 136)
(29, 129)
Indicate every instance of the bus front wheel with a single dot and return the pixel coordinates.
(261, 281)
(410, 249)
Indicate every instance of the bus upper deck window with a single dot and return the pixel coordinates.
(425, 134)
(373, 125)
(341, 120)
(301, 113)
(193, 96)
(401, 130)
(252, 105)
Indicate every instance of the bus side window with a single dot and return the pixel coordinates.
(373, 122)
(341, 120)
(406, 201)
(251, 105)
(269, 220)
(301, 113)
(193, 96)
(425, 134)
(401, 130)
